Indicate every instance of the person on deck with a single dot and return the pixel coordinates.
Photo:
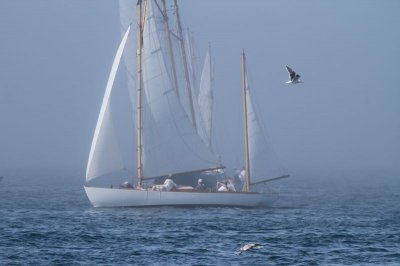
(222, 186)
(169, 184)
(200, 185)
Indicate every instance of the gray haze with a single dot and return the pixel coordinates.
(55, 58)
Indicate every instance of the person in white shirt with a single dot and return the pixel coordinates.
(169, 184)
(200, 185)
(222, 186)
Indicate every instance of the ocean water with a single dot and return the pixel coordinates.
(318, 219)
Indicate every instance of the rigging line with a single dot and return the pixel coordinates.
(164, 14)
(187, 78)
(170, 46)
(145, 14)
(176, 36)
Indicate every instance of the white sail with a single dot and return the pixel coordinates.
(205, 98)
(170, 142)
(184, 98)
(105, 156)
(191, 55)
(264, 164)
(185, 85)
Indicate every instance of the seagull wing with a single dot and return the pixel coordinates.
(292, 74)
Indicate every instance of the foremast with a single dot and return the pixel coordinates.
(246, 131)
(140, 17)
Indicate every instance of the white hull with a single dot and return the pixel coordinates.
(114, 197)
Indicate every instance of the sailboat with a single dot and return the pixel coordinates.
(170, 145)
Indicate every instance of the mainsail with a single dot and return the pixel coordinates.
(170, 141)
(105, 156)
(264, 163)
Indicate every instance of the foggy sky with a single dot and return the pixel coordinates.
(55, 58)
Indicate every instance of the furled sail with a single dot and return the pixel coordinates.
(205, 98)
(170, 142)
(105, 156)
(264, 163)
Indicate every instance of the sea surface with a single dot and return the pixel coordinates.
(319, 218)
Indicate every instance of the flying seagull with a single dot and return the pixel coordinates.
(294, 78)
(248, 247)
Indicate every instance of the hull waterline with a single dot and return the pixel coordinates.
(113, 197)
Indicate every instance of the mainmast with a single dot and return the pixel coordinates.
(139, 92)
(246, 131)
(187, 77)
